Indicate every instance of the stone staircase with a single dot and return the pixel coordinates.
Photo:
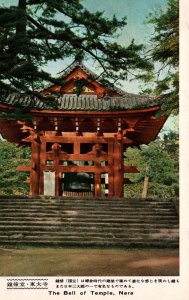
(88, 222)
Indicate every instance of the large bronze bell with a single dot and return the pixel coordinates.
(77, 182)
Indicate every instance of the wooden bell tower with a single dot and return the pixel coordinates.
(87, 134)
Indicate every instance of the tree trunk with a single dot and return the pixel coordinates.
(21, 27)
(145, 186)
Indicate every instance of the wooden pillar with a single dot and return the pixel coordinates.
(35, 166)
(57, 183)
(76, 148)
(111, 169)
(42, 165)
(97, 174)
(118, 169)
(56, 150)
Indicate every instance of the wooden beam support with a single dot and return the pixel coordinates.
(83, 139)
(118, 169)
(130, 169)
(84, 157)
(114, 162)
(71, 168)
(42, 164)
(111, 169)
(76, 148)
(23, 168)
(35, 172)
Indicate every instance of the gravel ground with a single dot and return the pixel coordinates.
(88, 262)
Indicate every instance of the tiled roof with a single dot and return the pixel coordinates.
(72, 102)
(78, 64)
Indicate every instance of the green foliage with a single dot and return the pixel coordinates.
(37, 32)
(164, 54)
(12, 181)
(159, 162)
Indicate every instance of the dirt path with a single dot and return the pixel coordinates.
(88, 262)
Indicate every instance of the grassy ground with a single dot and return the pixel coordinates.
(88, 262)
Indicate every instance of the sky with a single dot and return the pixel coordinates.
(136, 11)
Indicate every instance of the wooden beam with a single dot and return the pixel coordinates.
(23, 168)
(76, 148)
(84, 139)
(27, 139)
(42, 164)
(111, 169)
(85, 169)
(57, 175)
(74, 139)
(35, 171)
(130, 169)
(83, 157)
(118, 169)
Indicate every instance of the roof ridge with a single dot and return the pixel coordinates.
(80, 64)
(74, 65)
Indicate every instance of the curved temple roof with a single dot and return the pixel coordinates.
(84, 102)
(68, 100)
(138, 112)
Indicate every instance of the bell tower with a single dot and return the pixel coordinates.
(78, 148)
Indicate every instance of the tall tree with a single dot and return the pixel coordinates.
(12, 181)
(164, 54)
(158, 161)
(36, 32)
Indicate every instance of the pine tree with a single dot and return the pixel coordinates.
(164, 54)
(37, 32)
(12, 181)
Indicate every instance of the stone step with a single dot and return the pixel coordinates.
(75, 237)
(91, 215)
(96, 243)
(72, 211)
(88, 204)
(54, 212)
(84, 200)
(92, 218)
(88, 222)
(89, 234)
(75, 211)
(15, 208)
(85, 208)
(84, 226)
(88, 230)
(74, 226)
